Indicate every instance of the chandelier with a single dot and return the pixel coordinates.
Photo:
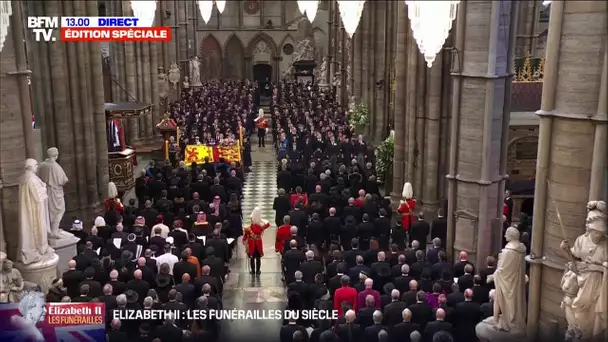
(309, 8)
(5, 15)
(220, 4)
(145, 11)
(431, 23)
(350, 12)
(206, 8)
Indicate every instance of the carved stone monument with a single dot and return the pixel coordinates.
(11, 281)
(586, 300)
(186, 83)
(35, 258)
(174, 75)
(53, 175)
(195, 72)
(509, 320)
(323, 73)
(305, 45)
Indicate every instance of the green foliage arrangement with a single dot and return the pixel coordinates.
(385, 153)
(359, 117)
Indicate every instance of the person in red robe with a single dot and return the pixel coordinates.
(407, 206)
(252, 239)
(295, 197)
(360, 201)
(262, 126)
(114, 198)
(283, 233)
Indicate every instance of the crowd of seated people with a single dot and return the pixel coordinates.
(170, 252)
(215, 114)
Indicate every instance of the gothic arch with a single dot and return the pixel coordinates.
(210, 53)
(261, 36)
(234, 65)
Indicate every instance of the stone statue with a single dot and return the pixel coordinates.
(11, 282)
(569, 285)
(323, 72)
(509, 320)
(195, 71)
(34, 222)
(163, 83)
(174, 74)
(53, 175)
(589, 255)
(186, 84)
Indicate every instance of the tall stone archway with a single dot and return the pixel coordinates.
(234, 63)
(210, 53)
(262, 49)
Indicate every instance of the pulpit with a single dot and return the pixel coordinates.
(170, 133)
(121, 157)
(304, 71)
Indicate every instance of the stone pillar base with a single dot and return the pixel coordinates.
(65, 247)
(40, 273)
(487, 333)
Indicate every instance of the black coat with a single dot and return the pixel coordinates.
(466, 317)
(182, 267)
(401, 332)
(435, 326)
(281, 206)
(349, 332)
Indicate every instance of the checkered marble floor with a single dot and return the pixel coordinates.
(260, 189)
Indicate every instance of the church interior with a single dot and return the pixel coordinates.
(515, 99)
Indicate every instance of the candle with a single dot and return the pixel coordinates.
(166, 149)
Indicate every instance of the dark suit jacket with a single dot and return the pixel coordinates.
(182, 267)
(420, 230)
(465, 282)
(371, 332)
(349, 332)
(455, 298)
(466, 317)
(310, 269)
(139, 286)
(95, 288)
(487, 310)
(422, 313)
(365, 317)
(71, 280)
(169, 333)
(200, 281)
(435, 326)
(286, 333)
(291, 262)
(393, 313)
(402, 283)
(188, 295)
(439, 229)
(401, 332)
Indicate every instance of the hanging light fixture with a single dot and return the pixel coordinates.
(206, 8)
(5, 17)
(431, 24)
(145, 11)
(350, 12)
(309, 8)
(220, 4)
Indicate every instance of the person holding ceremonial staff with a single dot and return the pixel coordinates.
(252, 239)
(262, 126)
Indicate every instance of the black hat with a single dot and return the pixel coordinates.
(162, 280)
(132, 296)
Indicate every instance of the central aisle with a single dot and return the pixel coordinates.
(266, 291)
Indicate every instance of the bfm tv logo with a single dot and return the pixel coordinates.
(43, 28)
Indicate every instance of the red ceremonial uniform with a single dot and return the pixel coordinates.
(345, 294)
(294, 198)
(406, 209)
(262, 123)
(283, 233)
(253, 238)
(117, 205)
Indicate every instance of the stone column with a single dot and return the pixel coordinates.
(330, 41)
(572, 114)
(147, 99)
(154, 63)
(101, 142)
(371, 68)
(130, 66)
(401, 56)
(527, 23)
(380, 26)
(484, 76)
(12, 128)
(365, 51)
(357, 56)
